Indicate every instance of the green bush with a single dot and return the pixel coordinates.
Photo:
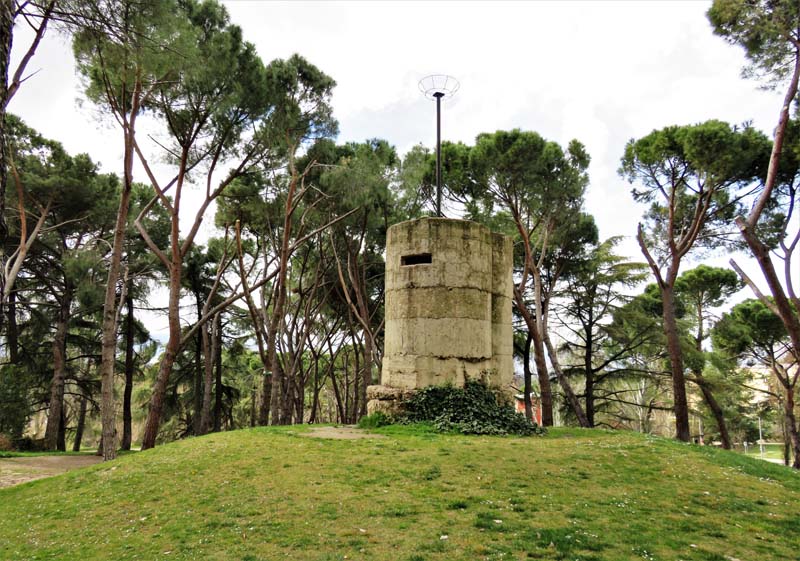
(473, 409)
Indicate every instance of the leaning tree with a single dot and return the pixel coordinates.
(691, 176)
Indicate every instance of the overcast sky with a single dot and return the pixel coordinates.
(600, 72)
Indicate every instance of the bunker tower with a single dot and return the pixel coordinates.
(448, 308)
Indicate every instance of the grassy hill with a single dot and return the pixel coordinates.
(269, 494)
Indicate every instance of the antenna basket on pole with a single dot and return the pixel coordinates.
(438, 86)
(441, 84)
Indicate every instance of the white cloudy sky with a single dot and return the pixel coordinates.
(601, 72)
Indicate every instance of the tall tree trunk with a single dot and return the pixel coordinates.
(791, 424)
(55, 410)
(212, 348)
(534, 331)
(545, 391)
(276, 398)
(201, 350)
(253, 398)
(153, 421)
(218, 381)
(588, 369)
(340, 406)
(127, 415)
(590, 399)
(366, 376)
(787, 443)
(76, 446)
(287, 394)
(61, 445)
(299, 405)
(266, 397)
(315, 397)
(681, 407)
(108, 355)
(356, 378)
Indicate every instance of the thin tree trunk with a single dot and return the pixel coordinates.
(76, 446)
(569, 393)
(127, 416)
(153, 421)
(253, 397)
(315, 397)
(6, 34)
(356, 377)
(681, 407)
(705, 387)
(12, 332)
(211, 344)
(55, 410)
(526, 372)
(716, 411)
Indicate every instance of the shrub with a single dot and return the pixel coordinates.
(375, 420)
(5, 443)
(473, 409)
(14, 400)
(28, 444)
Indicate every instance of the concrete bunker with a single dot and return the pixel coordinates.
(448, 308)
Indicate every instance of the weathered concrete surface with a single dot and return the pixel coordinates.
(448, 308)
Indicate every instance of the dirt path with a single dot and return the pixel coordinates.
(339, 433)
(14, 471)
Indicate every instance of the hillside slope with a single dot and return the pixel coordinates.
(267, 494)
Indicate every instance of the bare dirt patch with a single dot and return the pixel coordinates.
(14, 471)
(339, 433)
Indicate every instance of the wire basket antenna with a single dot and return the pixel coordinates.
(437, 87)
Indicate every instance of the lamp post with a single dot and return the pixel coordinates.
(436, 87)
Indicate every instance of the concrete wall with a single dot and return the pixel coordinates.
(449, 317)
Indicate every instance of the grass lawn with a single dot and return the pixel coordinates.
(771, 451)
(269, 493)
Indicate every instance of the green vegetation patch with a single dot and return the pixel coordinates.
(412, 494)
(473, 409)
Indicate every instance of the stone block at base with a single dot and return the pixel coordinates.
(386, 400)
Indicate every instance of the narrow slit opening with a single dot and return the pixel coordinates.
(415, 259)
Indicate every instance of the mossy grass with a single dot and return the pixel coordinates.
(267, 493)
